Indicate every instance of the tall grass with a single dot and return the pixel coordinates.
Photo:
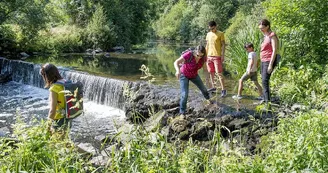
(35, 150)
(298, 145)
(236, 53)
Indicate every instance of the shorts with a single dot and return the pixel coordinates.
(213, 61)
(252, 76)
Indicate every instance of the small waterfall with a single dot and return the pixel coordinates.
(97, 89)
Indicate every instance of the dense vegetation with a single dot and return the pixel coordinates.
(298, 144)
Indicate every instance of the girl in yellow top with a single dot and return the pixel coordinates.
(50, 75)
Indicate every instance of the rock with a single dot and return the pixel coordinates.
(86, 148)
(108, 151)
(100, 161)
(178, 124)
(107, 54)
(153, 121)
(24, 55)
(238, 123)
(298, 107)
(184, 135)
(2, 123)
(200, 130)
(118, 49)
(104, 138)
(98, 50)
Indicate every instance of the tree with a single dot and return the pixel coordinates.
(303, 27)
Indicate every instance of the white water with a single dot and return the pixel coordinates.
(32, 102)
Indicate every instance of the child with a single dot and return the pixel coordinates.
(251, 72)
(56, 117)
(215, 48)
(191, 62)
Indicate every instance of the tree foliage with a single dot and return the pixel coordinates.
(303, 27)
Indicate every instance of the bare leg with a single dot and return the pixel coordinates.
(221, 79)
(240, 88)
(259, 88)
(212, 76)
(219, 75)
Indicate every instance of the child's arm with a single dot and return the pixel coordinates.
(52, 104)
(251, 66)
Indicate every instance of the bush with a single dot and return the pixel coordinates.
(299, 144)
(98, 33)
(307, 84)
(60, 39)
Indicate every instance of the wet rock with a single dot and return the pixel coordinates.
(238, 123)
(118, 49)
(100, 161)
(200, 130)
(224, 120)
(298, 107)
(104, 138)
(178, 124)
(184, 135)
(108, 151)
(24, 55)
(86, 148)
(2, 123)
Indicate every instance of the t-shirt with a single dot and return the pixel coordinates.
(252, 55)
(266, 48)
(60, 100)
(214, 43)
(190, 69)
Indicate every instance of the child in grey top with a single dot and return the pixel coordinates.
(251, 72)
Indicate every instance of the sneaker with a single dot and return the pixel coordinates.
(223, 93)
(260, 98)
(211, 90)
(237, 97)
(208, 102)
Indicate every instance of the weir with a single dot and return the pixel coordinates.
(97, 89)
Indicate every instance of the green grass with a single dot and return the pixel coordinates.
(299, 144)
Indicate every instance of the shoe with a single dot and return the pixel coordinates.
(211, 90)
(237, 97)
(260, 98)
(223, 93)
(208, 102)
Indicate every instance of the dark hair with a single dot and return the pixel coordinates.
(50, 74)
(265, 22)
(249, 45)
(201, 49)
(211, 23)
